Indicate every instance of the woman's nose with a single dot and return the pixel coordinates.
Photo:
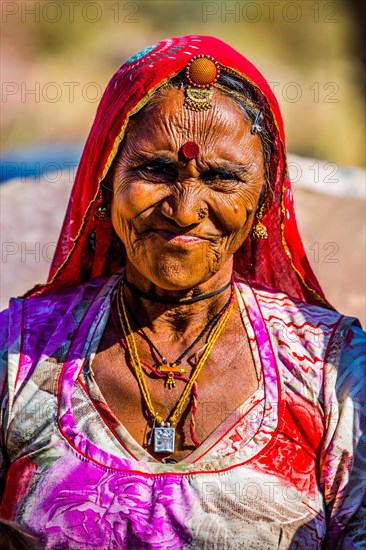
(185, 208)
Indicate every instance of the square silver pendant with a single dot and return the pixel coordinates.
(164, 440)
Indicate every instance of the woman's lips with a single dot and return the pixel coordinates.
(178, 238)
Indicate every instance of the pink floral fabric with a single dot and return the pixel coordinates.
(286, 470)
(92, 508)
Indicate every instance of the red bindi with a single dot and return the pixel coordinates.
(190, 150)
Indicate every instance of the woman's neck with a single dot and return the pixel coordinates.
(177, 318)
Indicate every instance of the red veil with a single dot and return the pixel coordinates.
(88, 246)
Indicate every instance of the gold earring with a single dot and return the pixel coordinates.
(103, 212)
(259, 230)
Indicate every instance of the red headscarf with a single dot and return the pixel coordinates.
(88, 246)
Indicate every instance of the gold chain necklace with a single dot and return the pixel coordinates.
(164, 434)
(172, 369)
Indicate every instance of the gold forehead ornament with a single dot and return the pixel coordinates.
(202, 73)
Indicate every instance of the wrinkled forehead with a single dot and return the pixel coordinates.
(166, 124)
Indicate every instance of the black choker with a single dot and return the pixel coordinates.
(168, 300)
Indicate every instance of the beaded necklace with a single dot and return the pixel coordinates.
(172, 369)
(163, 432)
(169, 300)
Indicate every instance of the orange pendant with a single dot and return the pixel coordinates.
(170, 369)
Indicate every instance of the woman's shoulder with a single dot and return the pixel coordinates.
(40, 314)
(43, 325)
(279, 307)
(61, 299)
(303, 330)
(315, 344)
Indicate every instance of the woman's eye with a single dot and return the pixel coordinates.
(153, 168)
(158, 169)
(221, 176)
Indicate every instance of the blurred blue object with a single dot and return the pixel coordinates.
(38, 162)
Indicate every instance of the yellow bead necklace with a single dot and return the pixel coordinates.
(164, 434)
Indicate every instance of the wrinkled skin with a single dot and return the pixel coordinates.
(157, 192)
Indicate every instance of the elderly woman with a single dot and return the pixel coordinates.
(181, 382)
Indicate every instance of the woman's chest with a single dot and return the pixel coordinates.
(227, 379)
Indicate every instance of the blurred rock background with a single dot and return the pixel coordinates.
(57, 57)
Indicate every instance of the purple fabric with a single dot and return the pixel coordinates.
(94, 508)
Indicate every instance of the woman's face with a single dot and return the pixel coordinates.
(158, 194)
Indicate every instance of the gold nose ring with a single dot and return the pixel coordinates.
(202, 212)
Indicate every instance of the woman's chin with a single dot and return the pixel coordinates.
(179, 281)
(175, 276)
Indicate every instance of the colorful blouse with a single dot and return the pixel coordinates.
(285, 470)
